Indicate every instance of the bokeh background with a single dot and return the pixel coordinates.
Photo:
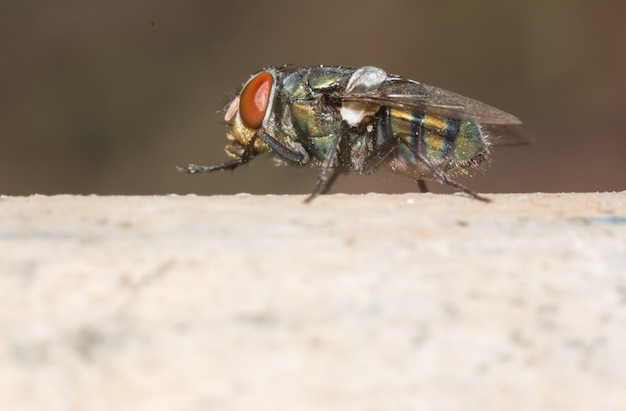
(107, 97)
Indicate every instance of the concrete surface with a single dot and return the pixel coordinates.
(374, 302)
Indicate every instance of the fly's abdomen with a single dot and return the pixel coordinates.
(443, 141)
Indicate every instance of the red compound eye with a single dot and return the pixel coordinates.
(254, 99)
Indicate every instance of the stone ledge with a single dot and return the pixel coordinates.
(387, 302)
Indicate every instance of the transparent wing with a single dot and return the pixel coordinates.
(506, 134)
(503, 128)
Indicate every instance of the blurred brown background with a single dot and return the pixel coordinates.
(107, 97)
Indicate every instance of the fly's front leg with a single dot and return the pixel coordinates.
(197, 169)
(248, 153)
(282, 150)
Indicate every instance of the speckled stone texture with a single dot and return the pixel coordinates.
(370, 302)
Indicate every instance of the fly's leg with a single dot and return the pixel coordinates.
(389, 144)
(330, 181)
(422, 185)
(196, 169)
(248, 153)
(281, 149)
(444, 179)
(329, 172)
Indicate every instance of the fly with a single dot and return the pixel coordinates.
(344, 119)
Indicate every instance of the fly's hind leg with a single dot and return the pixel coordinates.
(389, 145)
(443, 178)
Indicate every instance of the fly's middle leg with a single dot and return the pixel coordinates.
(329, 171)
(422, 185)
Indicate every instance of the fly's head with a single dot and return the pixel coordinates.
(251, 111)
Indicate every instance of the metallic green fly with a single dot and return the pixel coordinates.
(345, 119)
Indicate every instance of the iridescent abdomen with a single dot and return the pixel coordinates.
(445, 142)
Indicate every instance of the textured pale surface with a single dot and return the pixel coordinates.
(372, 302)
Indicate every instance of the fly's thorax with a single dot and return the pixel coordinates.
(252, 110)
(305, 117)
(310, 114)
(309, 128)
